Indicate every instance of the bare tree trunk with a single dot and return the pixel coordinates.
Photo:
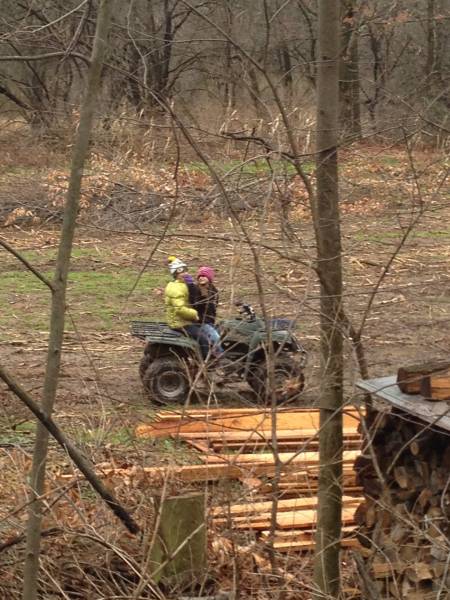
(350, 106)
(328, 238)
(80, 151)
(431, 37)
(229, 96)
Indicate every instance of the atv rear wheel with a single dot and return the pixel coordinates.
(289, 379)
(166, 380)
(143, 365)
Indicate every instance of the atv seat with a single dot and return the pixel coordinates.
(144, 329)
(281, 324)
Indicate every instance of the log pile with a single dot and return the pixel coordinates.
(404, 520)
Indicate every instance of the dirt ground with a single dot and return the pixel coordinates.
(397, 282)
(408, 318)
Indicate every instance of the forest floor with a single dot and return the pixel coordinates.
(118, 273)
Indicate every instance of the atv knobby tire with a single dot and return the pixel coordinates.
(289, 379)
(166, 380)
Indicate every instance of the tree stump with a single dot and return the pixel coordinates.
(178, 556)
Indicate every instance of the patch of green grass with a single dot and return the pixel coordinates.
(98, 296)
(25, 427)
(121, 436)
(171, 450)
(253, 167)
(48, 255)
(18, 434)
(432, 234)
(394, 235)
(176, 451)
(389, 160)
(376, 237)
(28, 171)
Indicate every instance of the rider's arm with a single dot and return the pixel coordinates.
(182, 311)
(194, 296)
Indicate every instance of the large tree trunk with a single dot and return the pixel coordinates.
(328, 237)
(80, 151)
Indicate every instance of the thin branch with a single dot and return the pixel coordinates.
(265, 144)
(13, 98)
(17, 539)
(61, 18)
(28, 265)
(71, 450)
(49, 55)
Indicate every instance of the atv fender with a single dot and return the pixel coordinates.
(182, 347)
(254, 345)
(257, 341)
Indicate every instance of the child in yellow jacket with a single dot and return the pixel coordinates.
(179, 313)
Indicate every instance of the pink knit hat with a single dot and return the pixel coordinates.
(207, 272)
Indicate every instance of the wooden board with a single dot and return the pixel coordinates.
(303, 534)
(292, 507)
(263, 435)
(241, 510)
(302, 540)
(219, 413)
(436, 413)
(303, 546)
(299, 519)
(306, 458)
(283, 445)
(293, 419)
(311, 485)
(205, 472)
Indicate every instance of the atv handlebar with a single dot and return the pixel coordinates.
(246, 310)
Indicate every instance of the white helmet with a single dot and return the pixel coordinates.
(177, 266)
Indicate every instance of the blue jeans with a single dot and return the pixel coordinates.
(207, 336)
(213, 338)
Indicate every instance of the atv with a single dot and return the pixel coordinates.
(171, 360)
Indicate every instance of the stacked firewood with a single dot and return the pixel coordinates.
(404, 523)
(431, 380)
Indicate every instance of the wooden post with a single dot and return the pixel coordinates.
(178, 556)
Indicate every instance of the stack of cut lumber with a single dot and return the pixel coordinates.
(430, 379)
(404, 520)
(238, 443)
(240, 440)
(241, 424)
(295, 521)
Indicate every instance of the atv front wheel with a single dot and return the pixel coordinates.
(289, 379)
(166, 380)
